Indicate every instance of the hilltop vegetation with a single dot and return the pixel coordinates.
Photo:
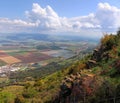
(99, 79)
(93, 79)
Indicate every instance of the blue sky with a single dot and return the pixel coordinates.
(67, 8)
(81, 17)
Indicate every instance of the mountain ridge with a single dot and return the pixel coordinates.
(93, 79)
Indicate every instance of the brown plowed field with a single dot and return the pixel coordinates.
(8, 59)
(32, 57)
(3, 54)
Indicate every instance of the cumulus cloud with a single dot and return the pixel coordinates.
(108, 16)
(17, 25)
(46, 20)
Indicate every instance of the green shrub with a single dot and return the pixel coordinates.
(109, 41)
(29, 93)
(19, 99)
(6, 97)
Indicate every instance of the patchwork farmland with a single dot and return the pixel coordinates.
(23, 57)
(32, 57)
(39, 52)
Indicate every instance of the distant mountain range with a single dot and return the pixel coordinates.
(49, 37)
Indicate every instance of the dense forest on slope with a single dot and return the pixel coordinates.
(93, 79)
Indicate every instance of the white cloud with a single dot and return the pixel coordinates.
(108, 16)
(45, 17)
(86, 21)
(17, 25)
(46, 20)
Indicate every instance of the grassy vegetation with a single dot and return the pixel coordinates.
(42, 85)
(8, 94)
(43, 71)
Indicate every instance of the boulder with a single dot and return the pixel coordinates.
(91, 63)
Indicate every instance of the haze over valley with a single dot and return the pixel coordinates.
(26, 51)
(59, 51)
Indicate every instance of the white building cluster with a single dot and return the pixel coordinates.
(8, 68)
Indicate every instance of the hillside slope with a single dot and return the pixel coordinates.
(94, 79)
(99, 80)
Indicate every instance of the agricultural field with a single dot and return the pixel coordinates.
(8, 59)
(59, 53)
(43, 51)
(22, 57)
(2, 63)
(3, 53)
(32, 57)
